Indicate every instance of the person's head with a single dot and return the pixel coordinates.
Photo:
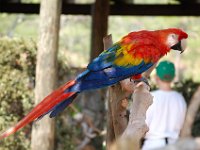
(165, 73)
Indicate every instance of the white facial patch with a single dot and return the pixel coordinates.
(172, 39)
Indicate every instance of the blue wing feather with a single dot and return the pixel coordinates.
(105, 59)
(108, 76)
(61, 106)
(58, 108)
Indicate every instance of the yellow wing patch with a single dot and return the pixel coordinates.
(123, 58)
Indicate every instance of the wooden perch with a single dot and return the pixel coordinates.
(110, 137)
(118, 112)
(107, 41)
(137, 127)
(116, 119)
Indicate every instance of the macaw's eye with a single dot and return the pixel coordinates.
(174, 36)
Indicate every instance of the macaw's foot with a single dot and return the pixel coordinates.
(142, 79)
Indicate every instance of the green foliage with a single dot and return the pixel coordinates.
(17, 74)
(186, 88)
(17, 79)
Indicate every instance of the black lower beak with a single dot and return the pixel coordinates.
(177, 47)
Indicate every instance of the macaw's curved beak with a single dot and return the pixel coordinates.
(178, 47)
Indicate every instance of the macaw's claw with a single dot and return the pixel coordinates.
(140, 80)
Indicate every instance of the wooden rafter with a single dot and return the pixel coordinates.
(123, 10)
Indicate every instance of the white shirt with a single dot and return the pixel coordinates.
(165, 117)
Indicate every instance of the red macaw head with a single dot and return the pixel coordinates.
(173, 38)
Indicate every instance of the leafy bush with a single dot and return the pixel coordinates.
(17, 75)
(17, 80)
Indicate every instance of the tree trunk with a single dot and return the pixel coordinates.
(46, 70)
(137, 127)
(100, 13)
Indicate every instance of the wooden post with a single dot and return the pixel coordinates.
(46, 70)
(100, 13)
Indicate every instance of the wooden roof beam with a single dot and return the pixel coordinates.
(122, 10)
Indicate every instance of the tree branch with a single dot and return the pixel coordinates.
(191, 113)
(137, 127)
(117, 120)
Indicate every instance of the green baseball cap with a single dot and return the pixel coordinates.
(165, 71)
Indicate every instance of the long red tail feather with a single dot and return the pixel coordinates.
(46, 104)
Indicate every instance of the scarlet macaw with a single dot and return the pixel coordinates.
(131, 56)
